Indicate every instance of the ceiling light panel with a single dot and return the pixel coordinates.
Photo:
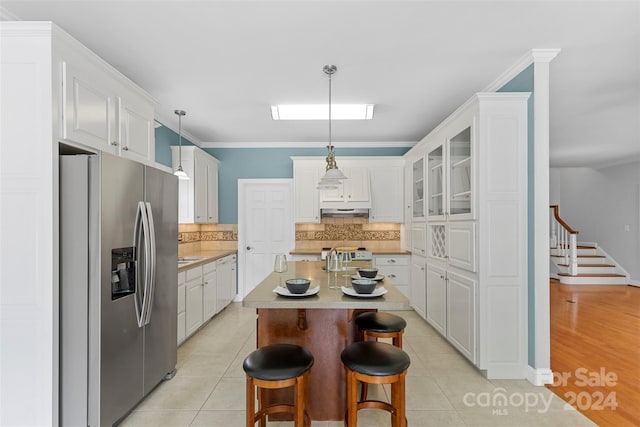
(321, 112)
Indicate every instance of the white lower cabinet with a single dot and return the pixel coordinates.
(436, 293)
(182, 331)
(209, 290)
(461, 314)
(193, 300)
(418, 298)
(226, 273)
(203, 292)
(396, 269)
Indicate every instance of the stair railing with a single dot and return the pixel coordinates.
(564, 239)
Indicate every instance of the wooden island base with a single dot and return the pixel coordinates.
(325, 333)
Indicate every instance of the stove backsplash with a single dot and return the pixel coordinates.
(332, 232)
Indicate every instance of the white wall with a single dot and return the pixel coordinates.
(604, 206)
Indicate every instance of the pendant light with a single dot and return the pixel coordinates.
(180, 173)
(333, 175)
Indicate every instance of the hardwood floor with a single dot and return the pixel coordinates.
(595, 350)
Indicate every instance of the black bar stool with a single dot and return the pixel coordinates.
(372, 362)
(378, 324)
(277, 366)
(381, 325)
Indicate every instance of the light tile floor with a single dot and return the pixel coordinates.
(442, 389)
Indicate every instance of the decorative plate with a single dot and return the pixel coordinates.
(281, 290)
(377, 292)
(377, 278)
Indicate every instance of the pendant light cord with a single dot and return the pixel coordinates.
(180, 140)
(330, 74)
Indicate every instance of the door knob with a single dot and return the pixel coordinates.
(249, 248)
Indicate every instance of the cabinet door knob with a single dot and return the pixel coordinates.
(125, 148)
(249, 248)
(114, 143)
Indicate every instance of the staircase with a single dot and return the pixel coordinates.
(575, 263)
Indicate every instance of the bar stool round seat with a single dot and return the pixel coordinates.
(277, 366)
(372, 362)
(377, 324)
(382, 325)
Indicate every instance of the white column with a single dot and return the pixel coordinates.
(541, 60)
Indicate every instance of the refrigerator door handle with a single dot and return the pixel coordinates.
(151, 239)
(137, 241)
(142, 289)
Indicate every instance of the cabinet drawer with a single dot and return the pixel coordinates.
(396, 275)
(193, 273)
(391, 260)
(210, 267)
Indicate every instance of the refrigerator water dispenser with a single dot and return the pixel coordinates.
(123, 272)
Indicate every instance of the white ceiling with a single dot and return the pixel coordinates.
(225, 62)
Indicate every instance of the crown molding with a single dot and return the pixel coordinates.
(307, 144)
(534, 55)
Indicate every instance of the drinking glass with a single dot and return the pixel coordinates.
(280, 266)
(346, 259)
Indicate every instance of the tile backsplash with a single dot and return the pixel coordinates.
(331, 232)
(194, 238)
(358, 232)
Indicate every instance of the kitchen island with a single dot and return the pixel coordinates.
(323, 323)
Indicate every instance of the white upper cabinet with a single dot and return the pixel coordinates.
(104, 110)
(197, 196)
(417, 188)
(375, 183)
(450, 179)
(306, 174)
(354, 190)
(387, 201)
(136, 128)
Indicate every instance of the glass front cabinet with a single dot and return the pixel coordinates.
(450, 178)
(418, 189)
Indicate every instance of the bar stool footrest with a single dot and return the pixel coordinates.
(376, 404)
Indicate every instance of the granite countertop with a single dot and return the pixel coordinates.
(263, 295)
(373, 251)
(203, 257)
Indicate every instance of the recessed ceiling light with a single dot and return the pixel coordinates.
(321, 112)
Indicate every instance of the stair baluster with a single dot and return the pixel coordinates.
(565, 239)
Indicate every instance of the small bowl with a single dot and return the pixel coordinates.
(298, 286)
(368, 273)
(364, 286)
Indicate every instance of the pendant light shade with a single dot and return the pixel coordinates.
(179, 172)
(333, 175)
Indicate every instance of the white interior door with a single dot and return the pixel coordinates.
(265, 228)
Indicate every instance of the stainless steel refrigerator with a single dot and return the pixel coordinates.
(118, 285)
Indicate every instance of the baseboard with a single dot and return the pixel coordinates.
(634, 283)
(539, 376)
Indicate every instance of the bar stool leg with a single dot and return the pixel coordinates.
(298, 401)
(352, 399)
(250, 404)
